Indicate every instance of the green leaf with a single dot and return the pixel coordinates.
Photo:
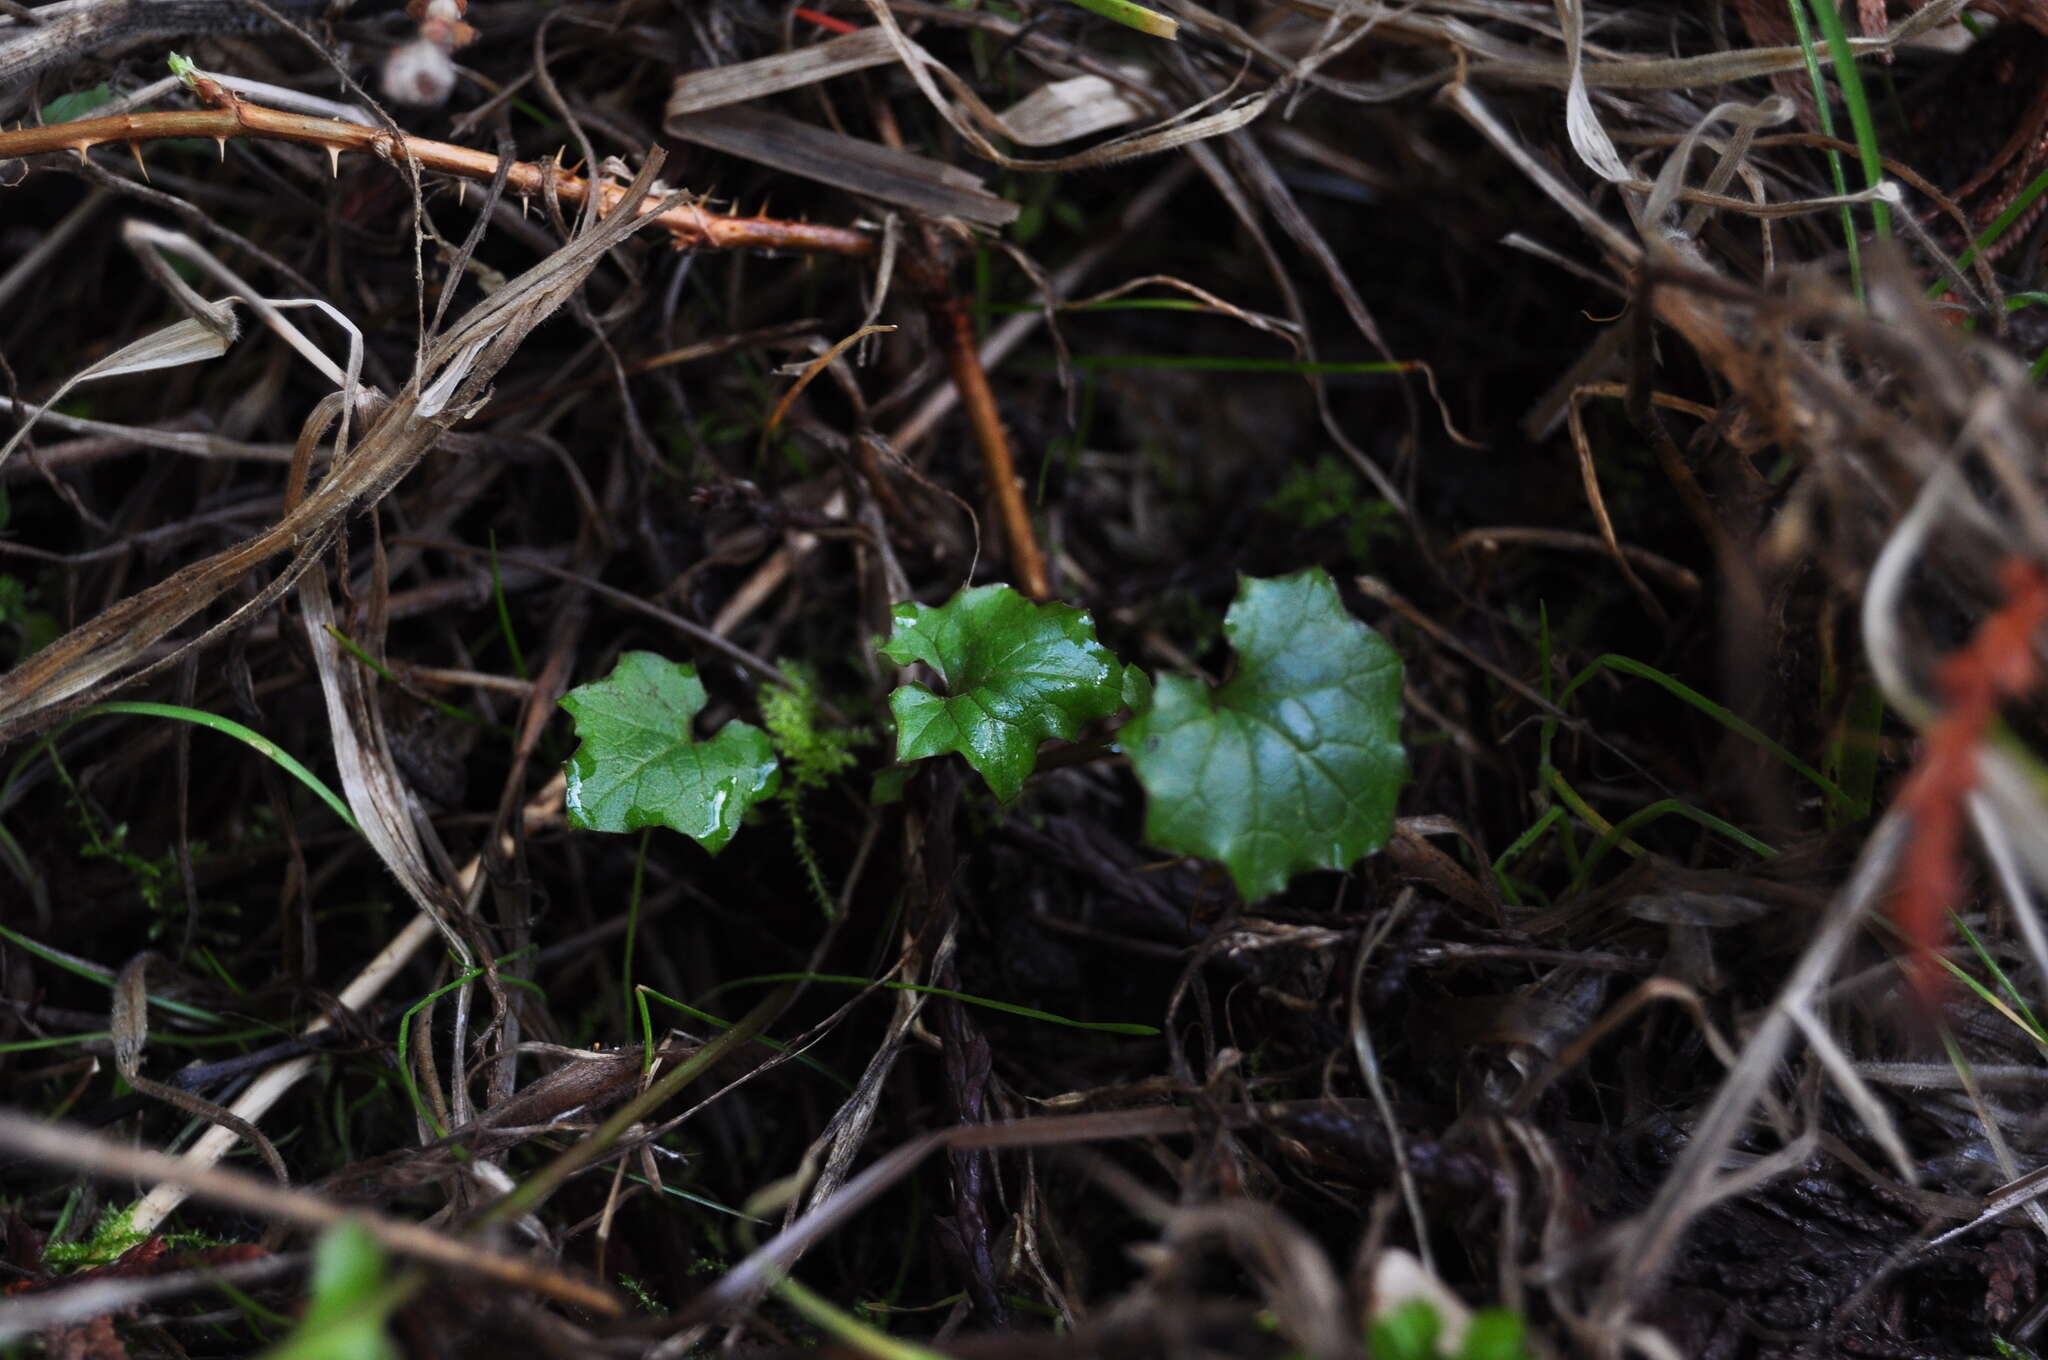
(1017, 674)
(1147, 21)
(640, 765)
(1294, 763)
(1137, 689)
(1494, 1334)
(888, 786)
(1406, 1332)
(69, 108)
(348, 1270)
(350, 1298)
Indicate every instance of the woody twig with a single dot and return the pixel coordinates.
(955, 333)
(930, 274)
(688, 225)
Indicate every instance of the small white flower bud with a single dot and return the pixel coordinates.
(419, 73)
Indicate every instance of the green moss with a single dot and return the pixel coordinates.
(642, 1296)
(1328, 492)
(111, 1237)
(811, 752)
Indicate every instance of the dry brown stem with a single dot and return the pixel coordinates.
(690, 225)
(70, 1147)
(955, 330)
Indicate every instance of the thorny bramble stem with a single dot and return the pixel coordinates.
(690, 226)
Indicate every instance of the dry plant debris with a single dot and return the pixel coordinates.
(1619, 426)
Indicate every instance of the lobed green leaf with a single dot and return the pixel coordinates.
(1292, 764)
(640, 764)
(1016, 673)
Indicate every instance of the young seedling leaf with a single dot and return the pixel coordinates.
(1406, 1332)
(640, 765)
(350, 1300)
(1016, 673)
(1495, 1334)
(1147, 21)
(1294, 762)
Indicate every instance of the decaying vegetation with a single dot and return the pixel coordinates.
(1660, 382)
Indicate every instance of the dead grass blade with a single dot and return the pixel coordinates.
(717, 86)
(75, 1302)
(739, 1287)
(108, 651)
(970, 117)
(193, 340)
(380, 798)
(130, 1025)
(83, 26)
(1068, 110)
(866, 168)
(270, 1086)
(1645, 1249)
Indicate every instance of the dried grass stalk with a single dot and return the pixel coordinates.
(453, 376)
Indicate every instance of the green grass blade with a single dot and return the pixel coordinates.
(1208, 363)
(1850, 81)
(348, 644)
(505, 614)
(71, 963)
(1852, 758)
(639, 995)
(1680, 690)
(1665, 807)
(849, 980)
(1990, 998)
(156, 1040)
(2003, 222)
(851, 1332)
(404, 1054)
(262, 745)
(1520, 846)
(412, 1090)
(2028, 1020)
(1827, 127)
(1147, 21)
(701, 1201)
(1585, 812)
(55, 1041)
(643, 992)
